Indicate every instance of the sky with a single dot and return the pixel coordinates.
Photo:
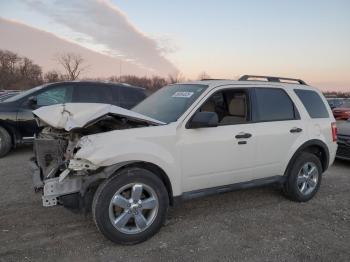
(224, 38)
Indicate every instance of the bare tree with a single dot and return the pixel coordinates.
(72, 64)
(53, 76)
(18, 72)
(176, 78)
(203, 75)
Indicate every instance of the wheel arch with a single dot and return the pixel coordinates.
(106, 173)
(316, 147)
(158, 171)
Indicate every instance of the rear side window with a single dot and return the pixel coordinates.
(273, 104)
(93, 93)
(130, 97)
(313, 103)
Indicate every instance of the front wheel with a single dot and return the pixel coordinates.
(131, 206)
(304, 178)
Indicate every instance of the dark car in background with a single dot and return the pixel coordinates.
(17, 123)
(335, 102)
(342, 112)
(343, 151)
(7, 94)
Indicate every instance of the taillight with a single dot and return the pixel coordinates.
(334, 131)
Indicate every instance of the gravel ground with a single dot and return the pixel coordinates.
(248, 225)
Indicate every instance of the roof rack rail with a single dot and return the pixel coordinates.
(271, 79)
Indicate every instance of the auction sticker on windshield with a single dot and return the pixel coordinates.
(183, 94)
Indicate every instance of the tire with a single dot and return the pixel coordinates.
(5, 142)
(303, 183)
(125, 182)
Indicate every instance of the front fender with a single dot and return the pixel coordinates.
(108, 154)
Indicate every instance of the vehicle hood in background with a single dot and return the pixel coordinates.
(78, 115)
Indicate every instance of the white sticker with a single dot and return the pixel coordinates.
(183, 94)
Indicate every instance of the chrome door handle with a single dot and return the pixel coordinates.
(296, 130)
(243, 135)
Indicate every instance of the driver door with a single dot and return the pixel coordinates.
(222, 155)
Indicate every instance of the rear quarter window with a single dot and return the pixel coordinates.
(313, 103)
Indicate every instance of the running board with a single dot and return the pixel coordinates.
(229, 188)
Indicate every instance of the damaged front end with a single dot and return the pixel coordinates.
(63, 178)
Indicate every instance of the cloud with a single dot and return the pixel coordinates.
(99, 23)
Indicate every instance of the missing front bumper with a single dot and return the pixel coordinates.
(54, 188)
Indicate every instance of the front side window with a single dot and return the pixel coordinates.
(231, 106)
(55, 95)
(313, 103)
(273, 104)
(170, 102)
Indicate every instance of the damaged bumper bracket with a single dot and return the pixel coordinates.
(53, 189)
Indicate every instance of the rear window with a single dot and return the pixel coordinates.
(273, 104)
(313, 103)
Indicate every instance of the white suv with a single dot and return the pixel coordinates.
(186, 140)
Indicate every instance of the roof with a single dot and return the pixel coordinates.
(95, 82)
(255, 80)
(213, 83)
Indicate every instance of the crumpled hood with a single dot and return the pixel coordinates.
(77, 115)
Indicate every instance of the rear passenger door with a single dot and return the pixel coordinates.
(278, 129)
(92, 93)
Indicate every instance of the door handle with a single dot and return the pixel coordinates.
(243, 135)
(296, 130)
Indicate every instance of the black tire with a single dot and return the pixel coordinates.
(5, 142)
(103, 197)
(291, 188)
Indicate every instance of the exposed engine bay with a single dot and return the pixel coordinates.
(56, 171)
(54, 148)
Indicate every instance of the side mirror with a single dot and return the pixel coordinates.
(203, 119)
(32, 101)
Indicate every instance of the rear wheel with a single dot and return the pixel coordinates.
(5, 142)
(131, 206)
(304, 178)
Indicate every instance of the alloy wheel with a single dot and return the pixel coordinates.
(133, 208)
(308, 178)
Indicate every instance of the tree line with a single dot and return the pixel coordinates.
(21, 73)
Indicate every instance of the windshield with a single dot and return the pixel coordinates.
(170, 102)
(24, 94)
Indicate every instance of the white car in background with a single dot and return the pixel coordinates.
(184, 141)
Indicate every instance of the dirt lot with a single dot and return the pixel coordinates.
(250, 225)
